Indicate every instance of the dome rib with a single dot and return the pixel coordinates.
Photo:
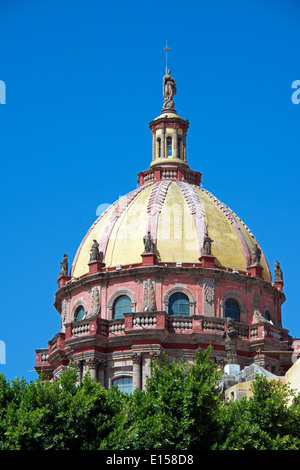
(228, 213)
(119, 210)
(196, 210)
(155, 205)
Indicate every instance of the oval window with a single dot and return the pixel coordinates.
(80, 312)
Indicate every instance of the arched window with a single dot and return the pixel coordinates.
(178, 148)
(267, 315)
(121, 305)
(169, 146)
(79, 314)
(124, 384)
(179, 304)
(232, 309)
(159, 147)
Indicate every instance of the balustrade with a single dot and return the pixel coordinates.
(148, 320)
(180, 323)
(144, 320)
(81, 329)
(213, 324)
(116, 326)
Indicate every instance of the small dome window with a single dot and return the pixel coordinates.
(79, 314)
(159, 147)
(121, 305)
(169, 146)
(179, 148)
(232, 309)
(179, 304)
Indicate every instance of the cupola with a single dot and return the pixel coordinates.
(169, 130)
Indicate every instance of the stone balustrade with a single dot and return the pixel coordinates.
(81, 329)
(179, 324)
(116, 326)
(158, 320)
(142, 322)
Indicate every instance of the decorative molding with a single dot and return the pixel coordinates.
(149, 296)
(136, 357)
(64, 312)
(95, 303)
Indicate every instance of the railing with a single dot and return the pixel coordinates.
(81, 329)
(144, 320)
(180, 323)
(276, 333)
(213, 324)
(116, 326)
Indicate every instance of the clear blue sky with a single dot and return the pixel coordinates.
(77, 71)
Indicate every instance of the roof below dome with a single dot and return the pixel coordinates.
(178, 215)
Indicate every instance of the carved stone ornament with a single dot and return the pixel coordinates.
(92, 363)
(209, 293)
(149, 296)
(63, 315)
(136, 357)
(95, 303)
(64, 266)
(278, 272)
(156, 355)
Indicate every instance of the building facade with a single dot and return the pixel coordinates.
(161, 271)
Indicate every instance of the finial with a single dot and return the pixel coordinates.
(167, 50)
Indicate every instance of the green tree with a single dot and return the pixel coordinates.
(45, 415)
(178, 409)
(264, 421)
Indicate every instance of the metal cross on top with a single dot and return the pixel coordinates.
(167, 50)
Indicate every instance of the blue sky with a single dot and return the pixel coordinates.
(76, 72)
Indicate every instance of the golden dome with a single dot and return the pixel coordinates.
(170, 204)
(178, 215)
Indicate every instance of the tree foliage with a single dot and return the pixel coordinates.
(180, 409)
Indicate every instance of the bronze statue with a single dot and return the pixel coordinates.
(278, 272)
(148, 243)
(64, 266)
(207, 245)
(255, 255)
(230, 342)
(169, 90)
(95, 255)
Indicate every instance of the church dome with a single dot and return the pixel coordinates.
(170, 205)
(178, 215)
(165, 269)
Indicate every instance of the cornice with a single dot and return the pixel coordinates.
(159, 271)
